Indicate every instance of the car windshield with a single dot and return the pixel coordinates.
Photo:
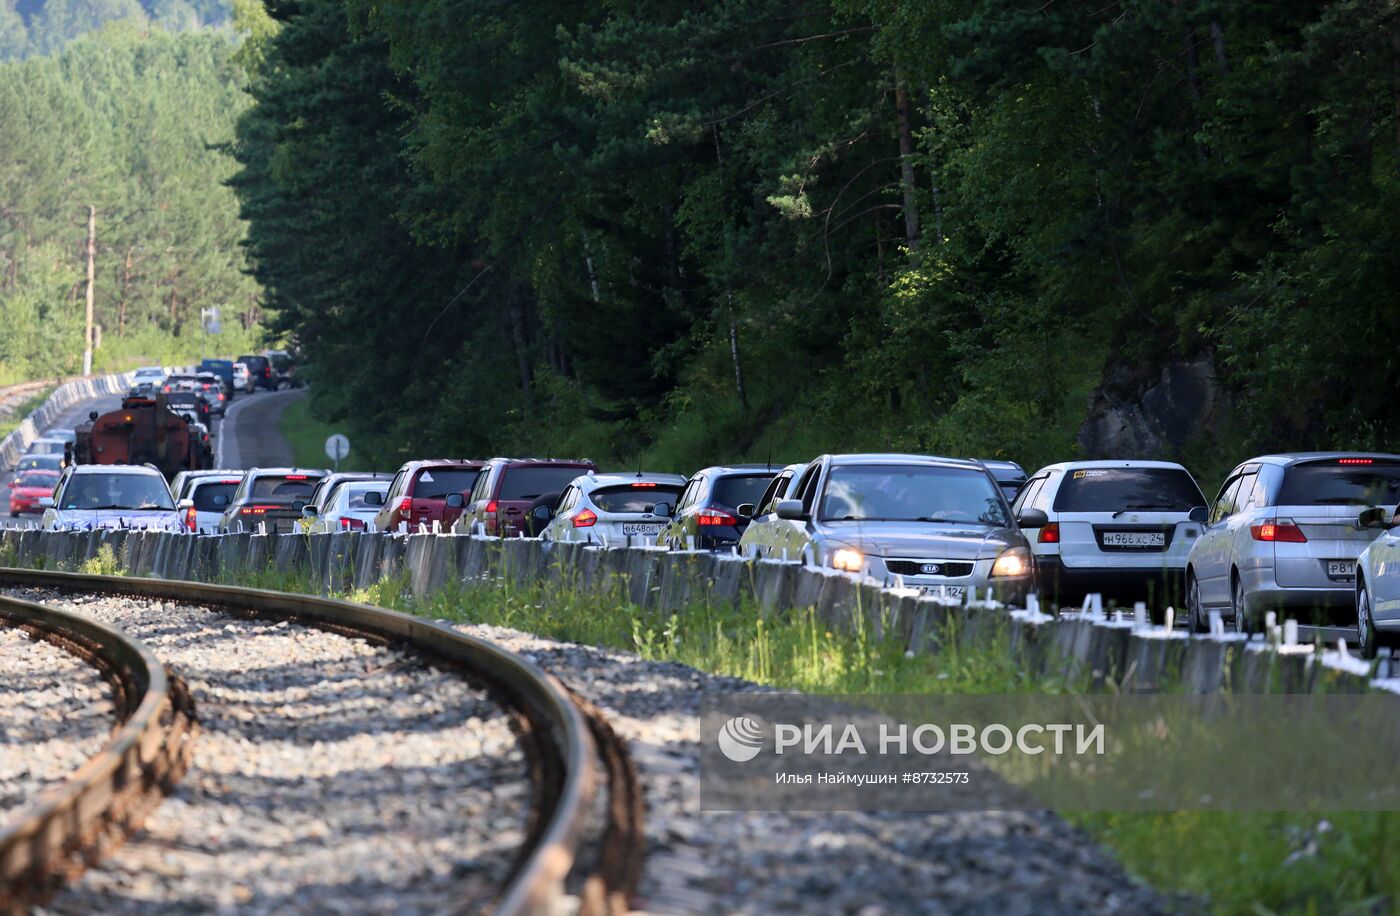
(437, 483)
(634, 497)
(284, 486)
(1335, 484)
(47, 447)
(47, 462)
(41, 481)
(912, 493)
(116, 491)
(733, 491)
(214, 497)
(1120, 489)
(530, 481)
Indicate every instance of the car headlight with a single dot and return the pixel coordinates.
(848, 559)
(1013, 561)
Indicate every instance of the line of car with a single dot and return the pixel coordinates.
(1313, 534)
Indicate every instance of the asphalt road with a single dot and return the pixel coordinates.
(249, 436)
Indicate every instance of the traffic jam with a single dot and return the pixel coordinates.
(1311, 534)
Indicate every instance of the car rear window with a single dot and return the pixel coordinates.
(634, 497)
(530, 482)
(207, 496)
(46, 481)
(1114, 489)
(290, 486)
(1332, 483)
(437, 483)
(732, 492)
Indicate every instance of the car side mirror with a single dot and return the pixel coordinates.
(455, 501)
(374, 498)
(661, 510)
(791, 509)
(1200, 515)
(745, 510)
(185, 504)
(1373, 517)
(1032, 518)
(542, 514)
(309, 511)
(46, 502)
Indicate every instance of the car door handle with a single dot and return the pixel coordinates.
(512, 512)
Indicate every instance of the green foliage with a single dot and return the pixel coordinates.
(122, 121)
(47, 26)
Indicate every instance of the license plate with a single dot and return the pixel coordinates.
(1134, 539)
(644, 530)
(1341, 569)
(952, 591)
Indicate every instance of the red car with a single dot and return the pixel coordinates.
(423, 492)
(509, 487)
(28, 488)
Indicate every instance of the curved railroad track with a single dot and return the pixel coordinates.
(582, 834)
(77, 820)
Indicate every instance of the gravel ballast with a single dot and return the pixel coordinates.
(1006, 863)
(56, 712)
(329, 775)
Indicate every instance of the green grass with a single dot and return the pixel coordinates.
(307, 435)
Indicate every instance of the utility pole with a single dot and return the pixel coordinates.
(91, 275)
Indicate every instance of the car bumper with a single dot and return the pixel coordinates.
(1320, 605)
(1070, 584)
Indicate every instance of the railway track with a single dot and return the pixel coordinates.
(579, 842)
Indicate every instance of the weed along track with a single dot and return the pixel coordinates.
(353, 759)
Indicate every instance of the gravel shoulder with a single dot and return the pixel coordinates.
(329, 775)
(56, 712)
(864, 863)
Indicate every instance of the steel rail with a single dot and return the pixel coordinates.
(53, 836)
(568, 756)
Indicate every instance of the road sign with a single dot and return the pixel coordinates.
(337, 447)
(211, 319)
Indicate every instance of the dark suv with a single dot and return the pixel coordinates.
(509, 488)
(428, 491)
(707, 516)
(260, 368)
(274, 496)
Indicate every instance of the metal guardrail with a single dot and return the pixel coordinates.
(567, 754)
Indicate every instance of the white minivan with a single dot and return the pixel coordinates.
(1122, 529)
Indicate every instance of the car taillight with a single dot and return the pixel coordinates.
(492, 506)
(351, 524)
(1283, 530)
(221, 395)
(1050, 534)
(1356, 461)
(714, 517)
(643, 486)
(406, 507)
(191, 519)
(267, 373)
(586, 519)
(257, 510)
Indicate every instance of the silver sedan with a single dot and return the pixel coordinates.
(938, 524)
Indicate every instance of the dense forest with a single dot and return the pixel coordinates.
(769, 228)
(45, 26)
(124, 121)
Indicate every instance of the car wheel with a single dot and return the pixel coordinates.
(1239, 603)
(1196, 620)
(1367, 640)
(14, 515)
